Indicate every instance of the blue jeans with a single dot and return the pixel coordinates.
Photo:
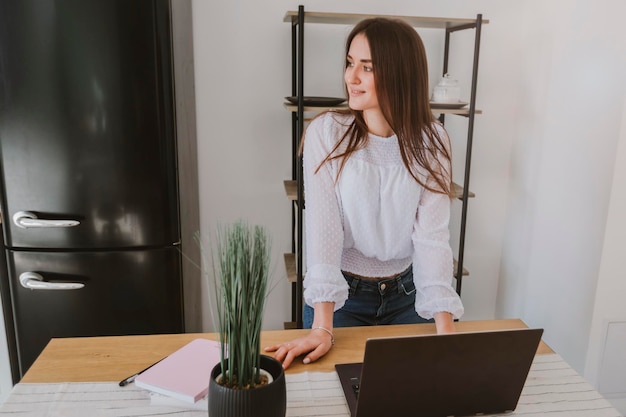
(373, 302)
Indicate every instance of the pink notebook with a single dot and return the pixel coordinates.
(185, 373)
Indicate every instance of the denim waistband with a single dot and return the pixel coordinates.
(381, 285)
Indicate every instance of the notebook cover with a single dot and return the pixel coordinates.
(185, 373)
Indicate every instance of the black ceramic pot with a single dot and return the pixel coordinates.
(267, 401)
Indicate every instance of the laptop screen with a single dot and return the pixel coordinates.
(457, 374)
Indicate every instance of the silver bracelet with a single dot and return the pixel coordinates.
(332, 338)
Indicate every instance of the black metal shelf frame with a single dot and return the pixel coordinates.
(297, 90)
(297, 123)
(477, 25)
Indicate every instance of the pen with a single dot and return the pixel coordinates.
(131, 378)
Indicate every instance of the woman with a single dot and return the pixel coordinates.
(377, 180)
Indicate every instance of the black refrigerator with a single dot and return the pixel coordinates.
(89, 188)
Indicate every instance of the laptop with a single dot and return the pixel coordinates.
(458, 374)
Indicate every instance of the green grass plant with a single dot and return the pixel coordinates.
(241, 262)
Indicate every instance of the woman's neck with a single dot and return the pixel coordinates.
(376, 123)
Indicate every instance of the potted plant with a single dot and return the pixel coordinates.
(245, 383)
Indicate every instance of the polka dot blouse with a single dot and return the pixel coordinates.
(375, 220)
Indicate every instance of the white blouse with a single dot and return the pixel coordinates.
(375, 221)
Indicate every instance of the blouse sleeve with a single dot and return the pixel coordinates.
(324, 281)
(432, 258)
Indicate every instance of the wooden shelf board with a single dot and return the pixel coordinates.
(461, 112)
(290, 266)
(465, 271)
(315, 109)
(289, 325)
(291, 189)
(457, 190)
(318, 109)
(354, 18)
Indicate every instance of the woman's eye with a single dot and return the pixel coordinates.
(367, 69)
(349, 64)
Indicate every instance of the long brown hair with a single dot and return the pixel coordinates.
(401, 80)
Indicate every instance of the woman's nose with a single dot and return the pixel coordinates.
(352, 77)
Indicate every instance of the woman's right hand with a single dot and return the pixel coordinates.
(315, 345)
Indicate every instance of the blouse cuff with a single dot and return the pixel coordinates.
(325, 283)
(427, 308)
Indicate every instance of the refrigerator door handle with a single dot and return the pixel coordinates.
(34, 281)
(28, 219)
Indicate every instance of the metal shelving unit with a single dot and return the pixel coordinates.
(294, 188)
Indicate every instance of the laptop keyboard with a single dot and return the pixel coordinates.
(356, 384)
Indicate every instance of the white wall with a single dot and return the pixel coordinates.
(562, 162)
(242, 73)
(562, 245)
(606, 358)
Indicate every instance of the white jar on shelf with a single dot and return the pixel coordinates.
(447, 91)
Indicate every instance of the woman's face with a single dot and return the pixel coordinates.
(359, 76)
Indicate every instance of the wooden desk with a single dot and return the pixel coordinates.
(113, 358)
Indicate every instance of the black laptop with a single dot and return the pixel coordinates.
(459, 374)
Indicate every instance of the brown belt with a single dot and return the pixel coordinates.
(375, 278)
